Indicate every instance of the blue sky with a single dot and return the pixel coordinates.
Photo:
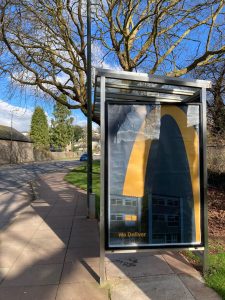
(21, 102)
(18, 105)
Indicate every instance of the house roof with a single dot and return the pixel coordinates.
(8, 133)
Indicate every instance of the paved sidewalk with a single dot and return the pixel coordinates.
(49, 250)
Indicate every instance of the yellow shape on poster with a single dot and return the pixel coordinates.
(130, 218)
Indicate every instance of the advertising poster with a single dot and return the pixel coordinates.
(153, 175)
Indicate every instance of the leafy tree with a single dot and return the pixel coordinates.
(43, 43)
(77, 133)
(61, 126)
(39, 129)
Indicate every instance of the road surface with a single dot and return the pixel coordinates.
(14, 176)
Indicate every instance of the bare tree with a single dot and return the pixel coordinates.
(43, 45)
(170, 37)
(43, 42)
(216, 99)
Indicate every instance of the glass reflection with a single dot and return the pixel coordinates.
(154, 189)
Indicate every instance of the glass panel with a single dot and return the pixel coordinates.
(153, 175)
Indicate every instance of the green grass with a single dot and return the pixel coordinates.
(215, 278)
(192, 257)
(78, 177)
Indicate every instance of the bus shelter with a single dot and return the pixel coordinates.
(153, 163)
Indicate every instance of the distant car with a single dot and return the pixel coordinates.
(84, 157)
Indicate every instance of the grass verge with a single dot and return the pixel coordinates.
(215, 277)
(78, 177)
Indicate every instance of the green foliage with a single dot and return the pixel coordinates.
(61, 126)
(78, 177)
(39, 129)
(78, 133)
(216, 275)
(191, 256)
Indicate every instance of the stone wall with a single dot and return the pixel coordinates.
(15, 152)
(65, 155)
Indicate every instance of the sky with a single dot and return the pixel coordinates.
(17, 107)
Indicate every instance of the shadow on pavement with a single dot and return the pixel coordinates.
(50, 250)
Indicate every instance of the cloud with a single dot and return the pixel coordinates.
(20, 117)
(99, 59)
(82, 121)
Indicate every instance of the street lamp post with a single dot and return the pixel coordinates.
(11, 137)
(13, 113)
(89, 107)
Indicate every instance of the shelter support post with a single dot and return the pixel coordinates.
(204, 255)
(205, 261)
(89, 109)
(204, 258)
(102, 196)
(205, 180)
(92, 214)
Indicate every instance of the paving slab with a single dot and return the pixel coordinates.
(57, 222)
(50, 250)
(83, 241)
(81, 253)
(180, 265)
(3, 273)
(12, 203)
(42, 209)
(79, 271)
(47, 243)
(34, 275)
(44, 292)
(198, 288)
(8, 255)
(62, 234)
(134, 267)
(62, 211)
(40, 256)
(81, 291)
(22, 222)
(167, 287)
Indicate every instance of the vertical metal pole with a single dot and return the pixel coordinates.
(89, 107)
(11, 137)
(102, 197)
(205, 182)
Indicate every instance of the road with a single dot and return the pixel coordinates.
(14, 176)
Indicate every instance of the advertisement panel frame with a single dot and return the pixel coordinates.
(106, 182)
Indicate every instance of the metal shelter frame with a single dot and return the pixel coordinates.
(130, 87)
